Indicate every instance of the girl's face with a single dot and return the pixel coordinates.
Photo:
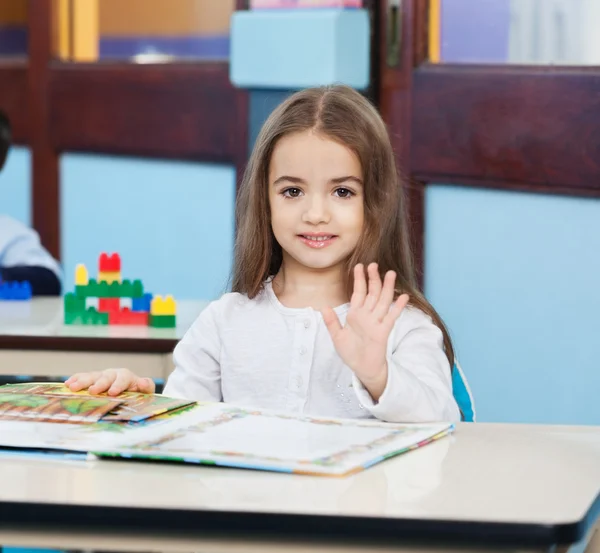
(317, 201)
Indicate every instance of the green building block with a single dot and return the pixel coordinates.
(138, 289)
(89, 290)
(86, 317)
(102, 289)
(73, 303)
(163, 321)
(133, 289)
(125, 289)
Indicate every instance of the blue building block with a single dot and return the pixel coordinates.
(20, 291)
(141, 304)
(292, 49)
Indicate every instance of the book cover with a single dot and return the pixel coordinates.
(128, 407)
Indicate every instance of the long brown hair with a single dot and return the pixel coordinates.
(344, 115)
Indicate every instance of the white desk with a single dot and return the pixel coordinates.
(34, 341)
(492, 487)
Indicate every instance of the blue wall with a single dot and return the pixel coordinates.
(15, 185)
(517, 278)
(172, 222)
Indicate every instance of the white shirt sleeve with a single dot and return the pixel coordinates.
(419, 385)
(20, 245)
(197, 374)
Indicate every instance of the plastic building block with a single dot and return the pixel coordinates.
(81, 275)
(15, 291)
(109, 263)
(125, 289)
(109, 305)
(89, 290)
(133, 289)
(106, 290)
(73, 303)
(128, 317)
(109, 277)
(163, 321)
(166, 306)
(142, 304)
(109, 288)
(88, 317)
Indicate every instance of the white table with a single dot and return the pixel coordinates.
(35, 341)
(493, 487)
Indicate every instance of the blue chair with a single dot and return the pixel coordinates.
(462, 394)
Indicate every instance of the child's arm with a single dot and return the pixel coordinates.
(197, 373)
(401, 373)
(419, 384)
(22, 257)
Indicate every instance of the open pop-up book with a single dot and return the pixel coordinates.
(49, 417)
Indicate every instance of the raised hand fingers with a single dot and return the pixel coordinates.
(332, 322)
(386, 297)
(360, 287)
(396, 310)
(374, 286)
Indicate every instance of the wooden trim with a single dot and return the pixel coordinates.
(513, 186)
(175, 110)
(395, 104)
(521, 128)
(45, 167)
(68, 343)
(242, 131)
(13, 98)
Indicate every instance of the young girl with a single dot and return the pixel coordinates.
(325, 317)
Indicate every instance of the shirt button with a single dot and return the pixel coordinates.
(298, 382)
(306, 323)
(302, 350)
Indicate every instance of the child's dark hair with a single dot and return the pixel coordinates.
(344, 115)
(5, 138)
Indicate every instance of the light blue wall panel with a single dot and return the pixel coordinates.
(517, 278)
(172, 222)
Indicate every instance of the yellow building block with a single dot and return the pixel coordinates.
(160, 306)
(81, 275)
(109, 277)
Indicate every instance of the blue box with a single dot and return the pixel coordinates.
(293, 49)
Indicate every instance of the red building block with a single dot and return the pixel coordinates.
(108, 305)
(109, 263)
(128, 317)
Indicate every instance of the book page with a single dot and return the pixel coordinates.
(252, 438)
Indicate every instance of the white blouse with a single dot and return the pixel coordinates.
(259, 353)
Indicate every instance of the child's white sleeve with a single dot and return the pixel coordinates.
(197, 374)
(419, 385)
(20, 246)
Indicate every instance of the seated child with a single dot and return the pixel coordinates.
(325, 317)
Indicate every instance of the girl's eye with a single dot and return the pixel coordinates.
(292, 192)
(344, 193)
